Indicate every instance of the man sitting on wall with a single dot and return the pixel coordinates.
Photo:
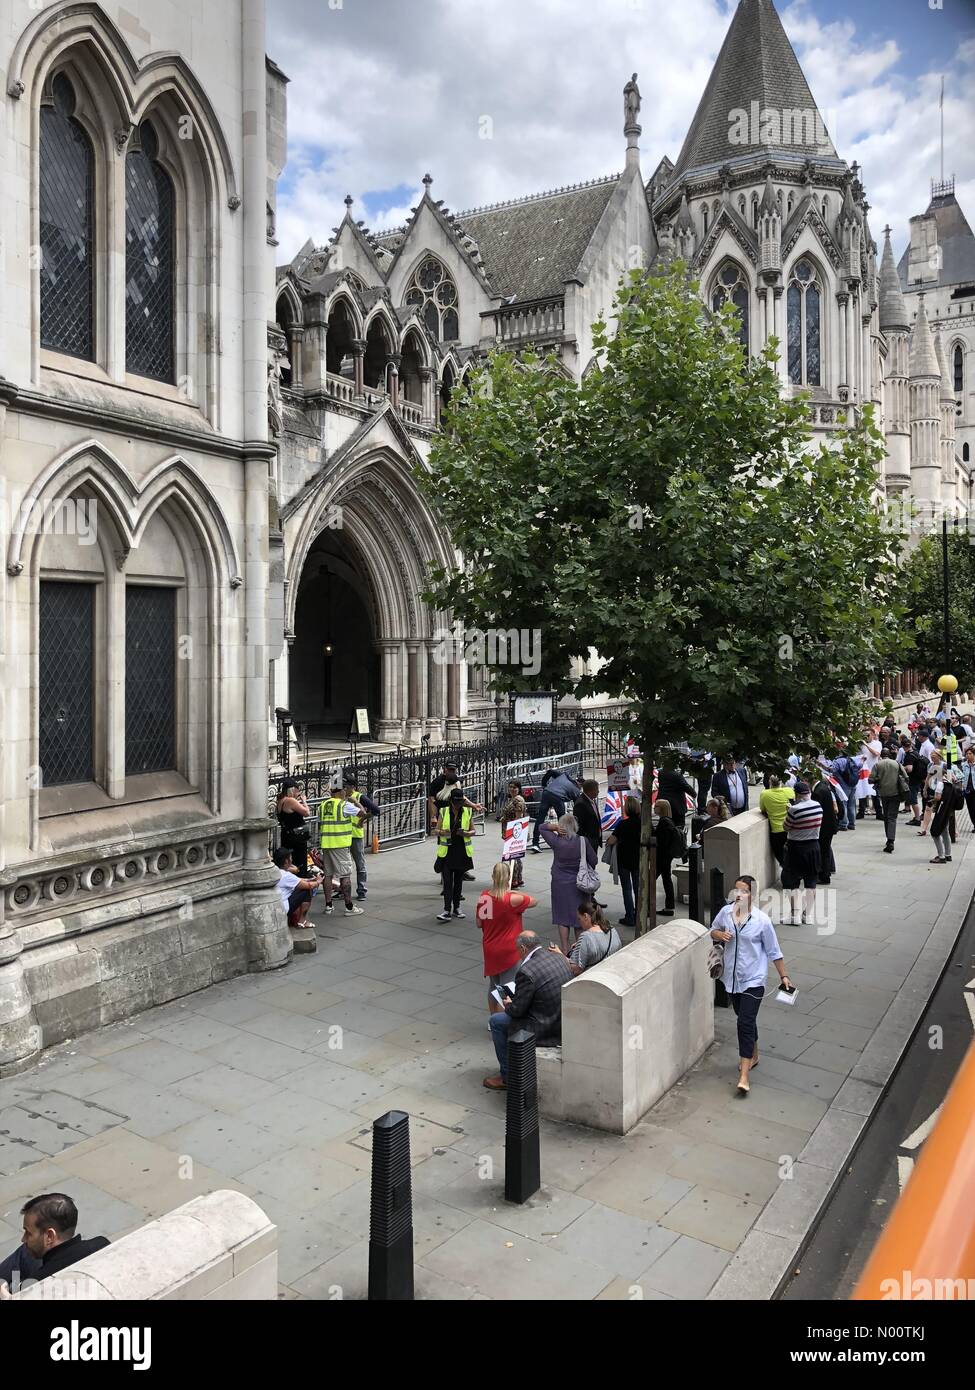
(50, 1243)
(536, 1003)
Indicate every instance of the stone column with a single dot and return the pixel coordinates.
(392, 373)
(455, 725)
(778, 320)
(435, 691)
(429, 395)
(414, 721)
(295, 339)
(389, 726)
(763, 327)
(316, 334)
(357, 347)
(843, 300)
(851, 353)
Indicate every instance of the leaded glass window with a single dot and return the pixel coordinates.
(804, 325)
(65, 693)
(958, 369)
(433, 292)
(731, 287)
(150, 679)
(67, 227)
(150, 259)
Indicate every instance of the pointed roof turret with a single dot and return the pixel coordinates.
(769, 204)
(946, 392)
(923, 359)
(893, 310)
(685, 222)
(756, 69)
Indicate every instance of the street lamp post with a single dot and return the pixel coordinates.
(944, 590)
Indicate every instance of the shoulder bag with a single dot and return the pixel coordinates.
(587, 880)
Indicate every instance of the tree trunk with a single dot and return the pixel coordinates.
(646, 917)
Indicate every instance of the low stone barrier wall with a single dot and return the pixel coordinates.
(631, 1026)
(221, 1246)
(738, 846)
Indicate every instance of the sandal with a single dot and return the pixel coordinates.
(741, 1091)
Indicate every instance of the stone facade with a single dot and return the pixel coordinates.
(142, 873)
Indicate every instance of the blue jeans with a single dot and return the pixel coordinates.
(851, 808)
(500, 1027)
(545, 803)
(630, 883)
(359, 860)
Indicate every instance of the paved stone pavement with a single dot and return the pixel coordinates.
(269, 1084)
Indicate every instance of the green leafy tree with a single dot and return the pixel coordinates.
(671, 514)
(925, 608)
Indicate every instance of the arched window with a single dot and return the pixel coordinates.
(704, 218)
(958, 369)
(731, 287)
(965, 453)
(789, 206)
(803, 331)
(741, 204)
(433, 293)
(755, 210)
(67, 227)
(826, 210)
(150, 257)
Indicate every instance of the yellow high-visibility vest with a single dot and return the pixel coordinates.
(443, 837)
(358, 830)
(336, 828)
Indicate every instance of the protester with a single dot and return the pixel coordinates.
(750, 944)
(846, 770)
(869, 753)
(916, 768)
(499, 915)
(454, 852)
(536, 1003)
(296, 892)
(595, 940)
(802, 862)
(438, 795)
(731, 783)
(514, 808)
(626, 838)
(932, 788)
(570, 851)
(586, 812)
(673, 787)
(559, 792)
(702, 770)
(50, 1239)
(357, 798)
(291, 811)
(670, 846)
(947, 798)
(967, 782)
(825, 795)
(773, 804)
(335, 818)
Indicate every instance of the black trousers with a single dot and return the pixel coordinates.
(826, 853)
(970, 803)
(777, 839)
(664, 874)
(746, 1008)
(453, 887)
(891, 805)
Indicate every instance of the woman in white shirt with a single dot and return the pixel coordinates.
(932, 789)
(750, 945)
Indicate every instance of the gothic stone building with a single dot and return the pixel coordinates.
(134, 527)
(372, 332)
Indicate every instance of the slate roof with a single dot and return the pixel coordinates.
(957, 243)
(756, 63)
(531, 246)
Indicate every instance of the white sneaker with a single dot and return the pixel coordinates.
(443, 916)
(353, 911)
(329, 909)
(460, 914)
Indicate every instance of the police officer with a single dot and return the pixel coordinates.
(360, 799)
(454, 852)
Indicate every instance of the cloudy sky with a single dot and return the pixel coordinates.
(499, 98)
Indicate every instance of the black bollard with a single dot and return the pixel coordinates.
(717, 890)
(693, 882)
(522, 1164)
(391, 1211)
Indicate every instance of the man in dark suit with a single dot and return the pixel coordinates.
(50, 1223)
(731, 783)
(673, 786)
(535, 1005)
(586, 812)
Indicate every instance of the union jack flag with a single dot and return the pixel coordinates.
(612, 809)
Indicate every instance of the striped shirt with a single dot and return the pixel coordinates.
(803, 819)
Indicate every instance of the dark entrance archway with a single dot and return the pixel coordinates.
(334, 664)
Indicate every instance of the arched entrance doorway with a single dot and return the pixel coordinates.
(334, 662)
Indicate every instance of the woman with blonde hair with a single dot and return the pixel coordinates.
(670, 846)
(499, 912)
(570, 851)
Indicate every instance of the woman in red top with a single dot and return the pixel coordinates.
(499, 917)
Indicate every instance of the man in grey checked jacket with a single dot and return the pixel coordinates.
(536, 1005)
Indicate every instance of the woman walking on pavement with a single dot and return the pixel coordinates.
(750, 944)
(570, 851)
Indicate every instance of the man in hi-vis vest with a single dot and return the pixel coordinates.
(454, 830)
(336, 817)
(365, 803)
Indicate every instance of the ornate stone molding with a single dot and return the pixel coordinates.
(33, 894)
(233, 202)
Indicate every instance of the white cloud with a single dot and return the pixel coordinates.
(383, 91)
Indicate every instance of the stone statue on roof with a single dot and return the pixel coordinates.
(631, 103)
